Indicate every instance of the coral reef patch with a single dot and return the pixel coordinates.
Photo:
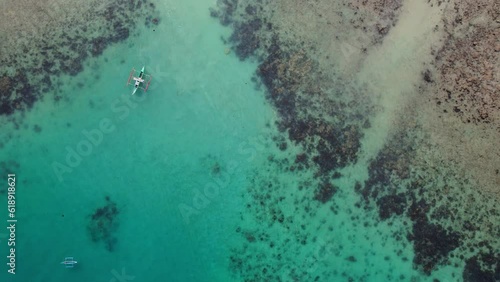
(325, 113)
(443, 228)
(103, 224)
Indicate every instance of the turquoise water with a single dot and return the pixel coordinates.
(201, 110)
(176, 161)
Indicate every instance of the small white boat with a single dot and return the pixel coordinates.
(141, 79)
(69, 262)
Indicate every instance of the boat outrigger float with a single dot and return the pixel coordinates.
(69, 262)
(141, 79)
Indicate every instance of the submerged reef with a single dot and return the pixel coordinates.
(324, 114)
(103, 223)
(444, 212)
(16, 92)
(330, 145)
(59, 44)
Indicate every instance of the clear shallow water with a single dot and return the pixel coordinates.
(200, 112)
(201, 123)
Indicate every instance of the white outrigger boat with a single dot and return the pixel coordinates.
(141, 79)
(69, 262)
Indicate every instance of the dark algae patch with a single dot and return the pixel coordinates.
(103, 223)
(325, 192)
(390, 205)
(432, 243)
(245, 38)
(16, 92)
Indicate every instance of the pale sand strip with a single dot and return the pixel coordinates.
(393, 69)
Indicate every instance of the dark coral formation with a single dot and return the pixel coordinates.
(329, 142)
(394, 158)
(390, 205)
(394, 190)
(285, 70)
(431, 242)
(225, 11)
(17, 92)
(333, 145)
(103, 224)
(48, 60)
(473, 271)
(325, 192)
(37, 128)
(245, 38)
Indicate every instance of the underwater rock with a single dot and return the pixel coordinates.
(473, 272)
(431, 242)
(377, 18)
(427, 76)
(391, 205)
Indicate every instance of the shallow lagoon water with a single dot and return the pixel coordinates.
(177, 163)
(201, 111)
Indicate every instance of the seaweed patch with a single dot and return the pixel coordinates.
(103, 223)
(474, 272)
